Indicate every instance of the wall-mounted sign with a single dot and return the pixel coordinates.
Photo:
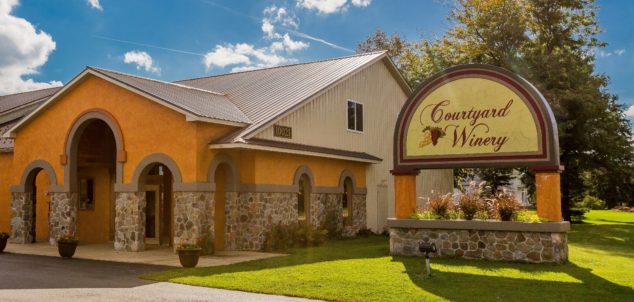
(282, 131)
(475, 116)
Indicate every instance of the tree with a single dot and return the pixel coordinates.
(551, 43)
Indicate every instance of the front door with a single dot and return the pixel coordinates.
(152, 214)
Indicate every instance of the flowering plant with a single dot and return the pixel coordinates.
(188, 245)
(68, 238)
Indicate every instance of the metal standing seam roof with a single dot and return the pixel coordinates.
(9, 103)
(199, 102)
(13, 101)
(264, 94)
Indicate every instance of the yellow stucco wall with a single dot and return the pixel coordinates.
(6, 160)
(265, 167)
(93, 225)
(145, 125)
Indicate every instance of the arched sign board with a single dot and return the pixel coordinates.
(475, 116)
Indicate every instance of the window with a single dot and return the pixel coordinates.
(86, 196)
(355, 116)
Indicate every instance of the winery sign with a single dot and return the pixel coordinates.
(475, 116)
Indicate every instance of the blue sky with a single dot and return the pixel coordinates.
(49, 42)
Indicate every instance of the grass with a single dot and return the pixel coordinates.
(601, 268)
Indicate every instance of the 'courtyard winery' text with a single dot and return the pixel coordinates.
(473, 134)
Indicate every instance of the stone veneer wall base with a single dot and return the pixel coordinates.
(130, 221)
(508, 241)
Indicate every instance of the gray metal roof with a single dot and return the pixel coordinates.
(199, 102)
(13, 101)
(266, 94)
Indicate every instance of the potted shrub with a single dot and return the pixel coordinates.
(188, 254)
(66, 245)
(3, 240)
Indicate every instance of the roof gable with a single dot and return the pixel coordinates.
(265, 95)
(195, 104)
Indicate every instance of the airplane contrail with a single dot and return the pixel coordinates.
(150, 45)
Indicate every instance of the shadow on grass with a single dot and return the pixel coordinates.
(616, 239)
(459, 286)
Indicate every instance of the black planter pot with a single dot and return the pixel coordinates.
(189, 257)
(66, 249)
(3, 244)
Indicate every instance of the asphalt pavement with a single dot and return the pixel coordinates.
(51, 279)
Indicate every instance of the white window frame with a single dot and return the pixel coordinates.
(355, 116)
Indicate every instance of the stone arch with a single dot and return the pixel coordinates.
(31, 170)
(342, 179)
(71, 145)
(233, 179)
(138, 177)
(303, 169)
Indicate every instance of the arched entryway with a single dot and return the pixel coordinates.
(37, 185)
(157, 183)
(92, 177)
(223, 176)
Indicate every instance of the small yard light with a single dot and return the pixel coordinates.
(426, 247)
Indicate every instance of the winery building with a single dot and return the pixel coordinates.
(118, 158)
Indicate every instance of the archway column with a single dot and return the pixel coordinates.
(130, 221)
(193, 217)
(21, 217)
(63, 215)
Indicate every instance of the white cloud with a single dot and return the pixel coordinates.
(331, 6)
(604, 54)
(361, 3)
(291, 45)
(142, 60)
(224, 56)
(243, 54)
(23, 49)
(630, 112)
(95, 4)
(323, 6)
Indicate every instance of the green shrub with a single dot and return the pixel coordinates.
(527, 216)
(470, 204)
(577, 215)
(424, 214)
(593, 203)
(281, 237)
(505, 206)
(440, 205)
(482, 215)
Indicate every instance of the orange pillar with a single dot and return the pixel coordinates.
(405, 194)
(548, 195)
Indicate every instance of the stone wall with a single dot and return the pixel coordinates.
(62, 215)
(193, 217)
(533, 247)
(359, 216)
(130, 221)
(250, 216)
(21, 217)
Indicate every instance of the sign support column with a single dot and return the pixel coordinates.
(548, 192)
(405, 193)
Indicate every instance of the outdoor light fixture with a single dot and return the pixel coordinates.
(426, 247)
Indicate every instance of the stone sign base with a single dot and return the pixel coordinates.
(492, 240)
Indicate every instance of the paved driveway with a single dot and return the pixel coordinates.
(50, 279)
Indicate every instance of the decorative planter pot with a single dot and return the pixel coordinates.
(3, 244)
(189, 257)
(66, 249)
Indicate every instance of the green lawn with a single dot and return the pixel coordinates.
(601, 268)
